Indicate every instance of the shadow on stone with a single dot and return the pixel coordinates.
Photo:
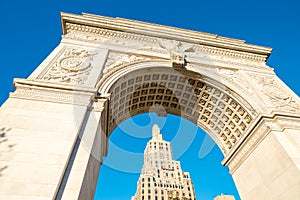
(3, 141)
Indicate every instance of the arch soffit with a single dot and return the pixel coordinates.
(223, 113)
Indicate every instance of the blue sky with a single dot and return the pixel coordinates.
(31, 29)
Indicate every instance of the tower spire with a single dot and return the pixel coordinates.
(155, 130)
(156, 133)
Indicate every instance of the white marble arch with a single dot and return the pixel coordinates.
(54, 126)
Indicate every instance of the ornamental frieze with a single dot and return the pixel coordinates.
(131, 40)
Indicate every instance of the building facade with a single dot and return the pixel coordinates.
(224, 197)
(162, 177)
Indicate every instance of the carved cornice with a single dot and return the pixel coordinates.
(98, 35)
(198, 54)
(50, 96)
(93, 26)
(43, 91)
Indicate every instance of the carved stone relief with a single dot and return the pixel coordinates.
(179, 51)
(116, 60)
(236, 78)
(277, 95)
(83, 37)
(72, 67)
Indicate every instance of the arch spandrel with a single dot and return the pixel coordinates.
(156, 87)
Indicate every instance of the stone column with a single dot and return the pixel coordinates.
(267, 164)
(80, 178)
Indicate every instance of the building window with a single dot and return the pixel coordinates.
(142, 179)
(148, 179)
(162, 192)
(149, 197)
(149, 191)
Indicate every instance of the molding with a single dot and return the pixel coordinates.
(50, 96)
(41, 91)
(264, 126)
(44, 84)
(88, 27)
(197, 55)
(155, 30)
(104, 36)
(98, 105)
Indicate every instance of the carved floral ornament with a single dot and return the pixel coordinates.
(73, 67)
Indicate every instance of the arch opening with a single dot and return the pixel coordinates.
(206, 102)
(206, 172)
